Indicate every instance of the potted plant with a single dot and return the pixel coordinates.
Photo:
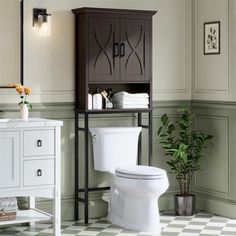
(184, 147)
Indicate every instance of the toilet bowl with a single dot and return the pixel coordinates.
(135, 189)
(134, 197)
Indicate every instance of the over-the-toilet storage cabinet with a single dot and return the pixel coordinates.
(30, 165)
(113, 49)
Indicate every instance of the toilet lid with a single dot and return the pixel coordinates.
(140, 172)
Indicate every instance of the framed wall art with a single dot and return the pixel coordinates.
(212, 37)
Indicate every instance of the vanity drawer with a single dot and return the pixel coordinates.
(38, 172)
(38, 143)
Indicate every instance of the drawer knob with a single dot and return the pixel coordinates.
(39, 143)
(39, 172)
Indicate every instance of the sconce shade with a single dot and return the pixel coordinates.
(42, 21)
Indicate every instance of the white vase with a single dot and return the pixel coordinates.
(24, 111)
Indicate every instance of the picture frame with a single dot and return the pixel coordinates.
(211, 38)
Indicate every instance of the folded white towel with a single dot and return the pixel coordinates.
(118, 102)
(131, 95)
(130, 106)
(8, 204)
(9, 209)
(8, 201)
(125, 99)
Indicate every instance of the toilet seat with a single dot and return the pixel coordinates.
(140, 172)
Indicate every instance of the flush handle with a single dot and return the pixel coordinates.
(39, 143)
(94, 138)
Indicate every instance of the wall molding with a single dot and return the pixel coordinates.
(188, 72)
(209, 190)
(43, 96)
(216, 105)
(196, 88)
(52, 106)
(216, 205)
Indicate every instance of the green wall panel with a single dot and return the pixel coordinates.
(214, 175)
(214, 184)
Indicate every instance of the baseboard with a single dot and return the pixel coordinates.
(166, 202)
(216, 206)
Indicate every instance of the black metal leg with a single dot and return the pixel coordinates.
(140, 140)
(86, 166)
(76, 210)
(150, 160)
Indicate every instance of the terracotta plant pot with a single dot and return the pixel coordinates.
(185, 204)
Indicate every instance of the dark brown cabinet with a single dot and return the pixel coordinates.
(113, 50)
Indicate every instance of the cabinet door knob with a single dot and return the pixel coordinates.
(39, 172)
(115, 50)
(122, 50)
(39, 143)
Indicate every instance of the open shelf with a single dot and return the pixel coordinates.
(94, 111)
(32, 215)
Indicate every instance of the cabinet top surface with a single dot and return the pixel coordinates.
(31, 122)
(111, 10)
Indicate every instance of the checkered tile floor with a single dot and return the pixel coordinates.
(201, 224)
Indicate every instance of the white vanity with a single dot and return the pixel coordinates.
(30, 166)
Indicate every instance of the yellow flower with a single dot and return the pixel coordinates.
(20, 89)
(27, 90)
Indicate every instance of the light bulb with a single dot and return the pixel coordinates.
(44, 23)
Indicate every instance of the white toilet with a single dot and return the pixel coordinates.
(135, 189)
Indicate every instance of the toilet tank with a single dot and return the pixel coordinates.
(114, 146)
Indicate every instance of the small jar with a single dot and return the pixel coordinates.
(90, 101)
(97, 100)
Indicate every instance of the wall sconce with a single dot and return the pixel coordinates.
(42, 21)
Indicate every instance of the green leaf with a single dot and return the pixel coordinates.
(159, 130)
(165, 119)
(170, 129)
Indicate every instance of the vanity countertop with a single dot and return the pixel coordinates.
(31, 122)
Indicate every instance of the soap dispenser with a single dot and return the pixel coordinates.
(97, 100)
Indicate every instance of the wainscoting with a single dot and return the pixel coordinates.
(214, 184)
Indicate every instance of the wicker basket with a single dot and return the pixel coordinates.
(7, 216)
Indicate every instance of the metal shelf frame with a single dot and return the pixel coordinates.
(85, 130)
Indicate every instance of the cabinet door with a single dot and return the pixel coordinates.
(135, 50)
(103, 49)
(9, 159)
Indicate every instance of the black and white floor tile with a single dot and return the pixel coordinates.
(201, 224)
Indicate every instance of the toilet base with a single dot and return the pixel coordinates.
(132, 212)
(116, 220)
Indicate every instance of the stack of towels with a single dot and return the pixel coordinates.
(7, 205)
(128, 100)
